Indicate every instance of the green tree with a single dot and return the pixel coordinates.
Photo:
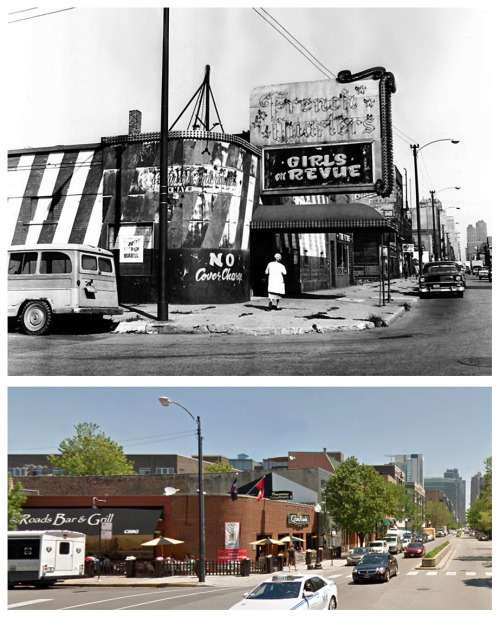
(403, 506)
(16, 498)
(438, 514)
(480, 514)
(91, 452)
(218, 466)
(356, 497)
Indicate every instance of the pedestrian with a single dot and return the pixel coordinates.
(291, 551)
(276, 282)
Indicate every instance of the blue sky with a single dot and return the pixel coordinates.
(76, 74)
(451, 426)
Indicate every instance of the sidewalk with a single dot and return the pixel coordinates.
(328, 566)
(354, 308)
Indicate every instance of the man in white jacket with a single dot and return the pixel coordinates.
(276, 282)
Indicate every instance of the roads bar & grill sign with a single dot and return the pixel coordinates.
(328, 136)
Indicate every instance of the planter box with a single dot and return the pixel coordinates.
(431, 563)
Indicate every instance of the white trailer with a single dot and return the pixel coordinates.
(41, 557)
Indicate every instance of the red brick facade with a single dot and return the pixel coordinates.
(180, 521)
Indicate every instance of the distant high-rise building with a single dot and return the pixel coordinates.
(481, 231)
(475, 486)
(471, 233)
(412, 466)
(453, 487)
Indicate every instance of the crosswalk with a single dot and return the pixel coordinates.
(428, 574)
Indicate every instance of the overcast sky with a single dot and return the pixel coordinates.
(450, 426)
(75, 74)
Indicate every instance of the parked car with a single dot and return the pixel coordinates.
(440, 533)
(357, 554)
(441, 277)
(475, 269)
(297, 591)
(482, 537)
(379, 567)
(415, 550)
(378, 547)
(483, 273)
(422, 538)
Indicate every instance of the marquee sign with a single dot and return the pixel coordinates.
(327, 136)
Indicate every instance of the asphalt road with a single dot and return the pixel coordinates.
(438, 337)
(465, 582)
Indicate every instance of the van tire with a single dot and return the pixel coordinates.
(36, 318)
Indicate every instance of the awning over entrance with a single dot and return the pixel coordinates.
(319, 218)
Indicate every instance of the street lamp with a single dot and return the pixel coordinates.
(94, 506)
(317, 510)
(416, 149)
(439, 256)
(165, 401)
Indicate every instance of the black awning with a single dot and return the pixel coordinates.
(319, 218)
(124, 520)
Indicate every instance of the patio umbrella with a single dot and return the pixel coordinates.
(267, 541)
(160, 542)
(290, 538)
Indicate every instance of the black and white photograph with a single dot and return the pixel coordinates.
(286, 191)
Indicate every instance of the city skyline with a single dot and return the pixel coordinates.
(366, 422)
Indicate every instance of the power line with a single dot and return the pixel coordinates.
(22, 11)
(291, 43)
(298, 42)
(40, 15)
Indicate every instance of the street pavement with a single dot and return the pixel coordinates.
(358, 307)
(328, 567)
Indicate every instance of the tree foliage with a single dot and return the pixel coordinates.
(356, 497)
(438, 514)
(218, 466)
(480, 514)
(16, 498)
(90, 452)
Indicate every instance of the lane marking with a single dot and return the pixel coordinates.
(141, 594)
(488, 574)
(28, 603)
(451, 573)
(413, 573)
(179, 596)
(470, 573)
(432, 573)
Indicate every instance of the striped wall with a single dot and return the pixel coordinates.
(55, 196)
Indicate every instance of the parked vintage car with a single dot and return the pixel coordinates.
(441, 278)
(483, 273)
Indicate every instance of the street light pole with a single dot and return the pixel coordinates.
(94, 500)
(317, 510)
(416, 149)
(165, 401)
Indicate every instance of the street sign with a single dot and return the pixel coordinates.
(106, 531)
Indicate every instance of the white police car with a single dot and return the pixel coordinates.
(291, 592)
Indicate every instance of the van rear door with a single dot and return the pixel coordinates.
(97, 291)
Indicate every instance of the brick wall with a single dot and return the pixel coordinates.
(257, 518)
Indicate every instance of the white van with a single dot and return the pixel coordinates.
(378, 547)
(46, 280)
(40, 557)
